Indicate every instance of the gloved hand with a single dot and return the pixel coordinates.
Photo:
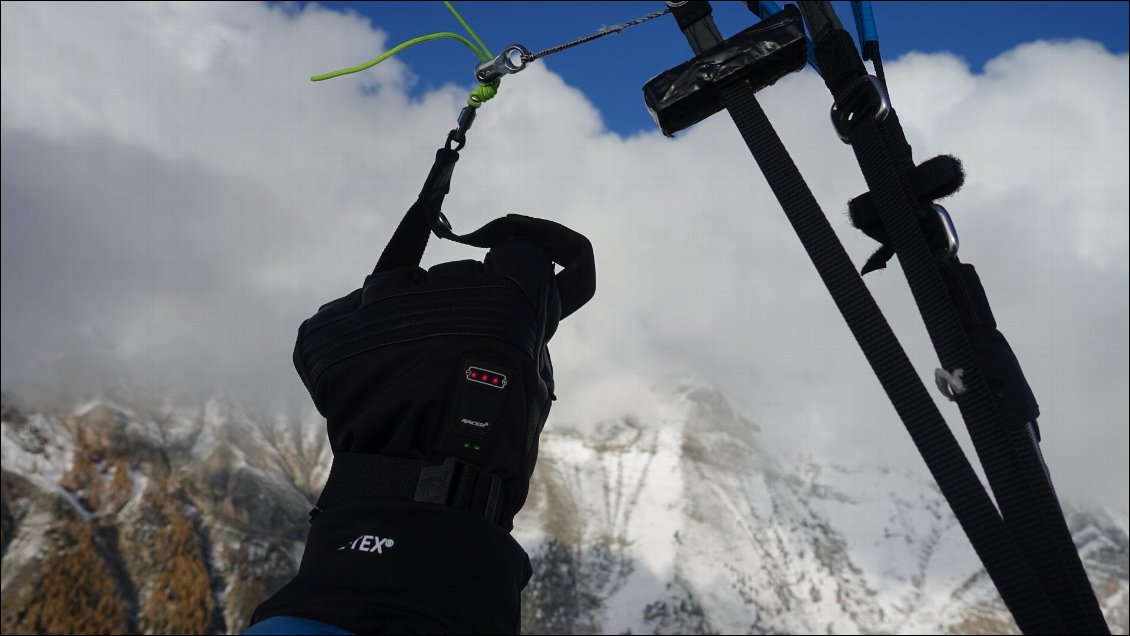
(449, 363)
(435, 386)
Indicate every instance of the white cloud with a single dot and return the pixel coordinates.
(172, 183)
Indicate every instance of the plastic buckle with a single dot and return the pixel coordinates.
(454, 482)
(952, 243)
(865, 98)
(434, 484)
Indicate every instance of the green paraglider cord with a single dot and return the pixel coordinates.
(396, 49)
(479, 94)
(486, 54)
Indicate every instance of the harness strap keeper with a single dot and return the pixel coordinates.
(454, 483)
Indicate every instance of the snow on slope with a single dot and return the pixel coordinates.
(679, 520)
(674, 520)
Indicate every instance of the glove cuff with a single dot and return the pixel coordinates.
(374, 564)
(454, 483)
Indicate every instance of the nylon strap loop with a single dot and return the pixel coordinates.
(576, 282)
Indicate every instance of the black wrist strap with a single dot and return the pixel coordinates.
(454, 483)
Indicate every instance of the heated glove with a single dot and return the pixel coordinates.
(445, 372)
(435, 386)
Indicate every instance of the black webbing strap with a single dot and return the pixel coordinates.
(933, 438)
(995, 544)
(576, 282)
(1006, 447)
(454, 483)
(696, 23)
(410, 239)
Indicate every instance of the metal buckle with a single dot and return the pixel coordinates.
(952, 242)
(865, 98)
(441, 219)
(458, 135)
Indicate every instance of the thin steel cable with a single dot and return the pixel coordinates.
(589, 38)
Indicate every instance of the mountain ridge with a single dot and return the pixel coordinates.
(674, 520)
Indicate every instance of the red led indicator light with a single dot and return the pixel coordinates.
(487, 377)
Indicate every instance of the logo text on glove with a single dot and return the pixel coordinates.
(368, 543)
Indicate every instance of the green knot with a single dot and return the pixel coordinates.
(483, 93)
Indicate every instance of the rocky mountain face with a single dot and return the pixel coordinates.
(123, 515)
(184, 519)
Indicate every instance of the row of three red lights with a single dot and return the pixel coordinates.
(483, 377)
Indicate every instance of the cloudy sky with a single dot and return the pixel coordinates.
(177, 198)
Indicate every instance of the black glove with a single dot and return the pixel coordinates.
(449, 365)
(435, 386)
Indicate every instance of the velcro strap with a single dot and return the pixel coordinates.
(1014, 396)
(454, 483)
(933, 179)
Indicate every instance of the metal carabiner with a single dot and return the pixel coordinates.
(505, 63)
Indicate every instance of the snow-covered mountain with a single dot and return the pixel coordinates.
(686, 524)
(124, 515)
